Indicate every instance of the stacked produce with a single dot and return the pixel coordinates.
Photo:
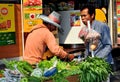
(92, 69)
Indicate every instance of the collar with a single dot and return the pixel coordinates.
(38, 26)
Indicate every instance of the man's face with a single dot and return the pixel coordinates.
(85, 16)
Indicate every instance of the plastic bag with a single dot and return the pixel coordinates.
(83, 33)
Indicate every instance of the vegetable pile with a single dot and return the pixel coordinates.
(92, 69)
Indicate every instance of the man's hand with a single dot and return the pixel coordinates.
(68, 57)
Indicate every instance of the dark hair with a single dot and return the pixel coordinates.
(90, 7)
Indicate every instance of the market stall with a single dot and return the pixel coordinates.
(91, 69)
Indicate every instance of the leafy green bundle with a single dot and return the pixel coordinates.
(94, 69)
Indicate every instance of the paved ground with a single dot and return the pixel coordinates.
(116, 70)
(115, 77)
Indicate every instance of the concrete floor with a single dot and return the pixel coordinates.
(116, 77)
(116, 70)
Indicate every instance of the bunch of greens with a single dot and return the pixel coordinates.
(94, 69)
(24, 67)
(65, 69)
